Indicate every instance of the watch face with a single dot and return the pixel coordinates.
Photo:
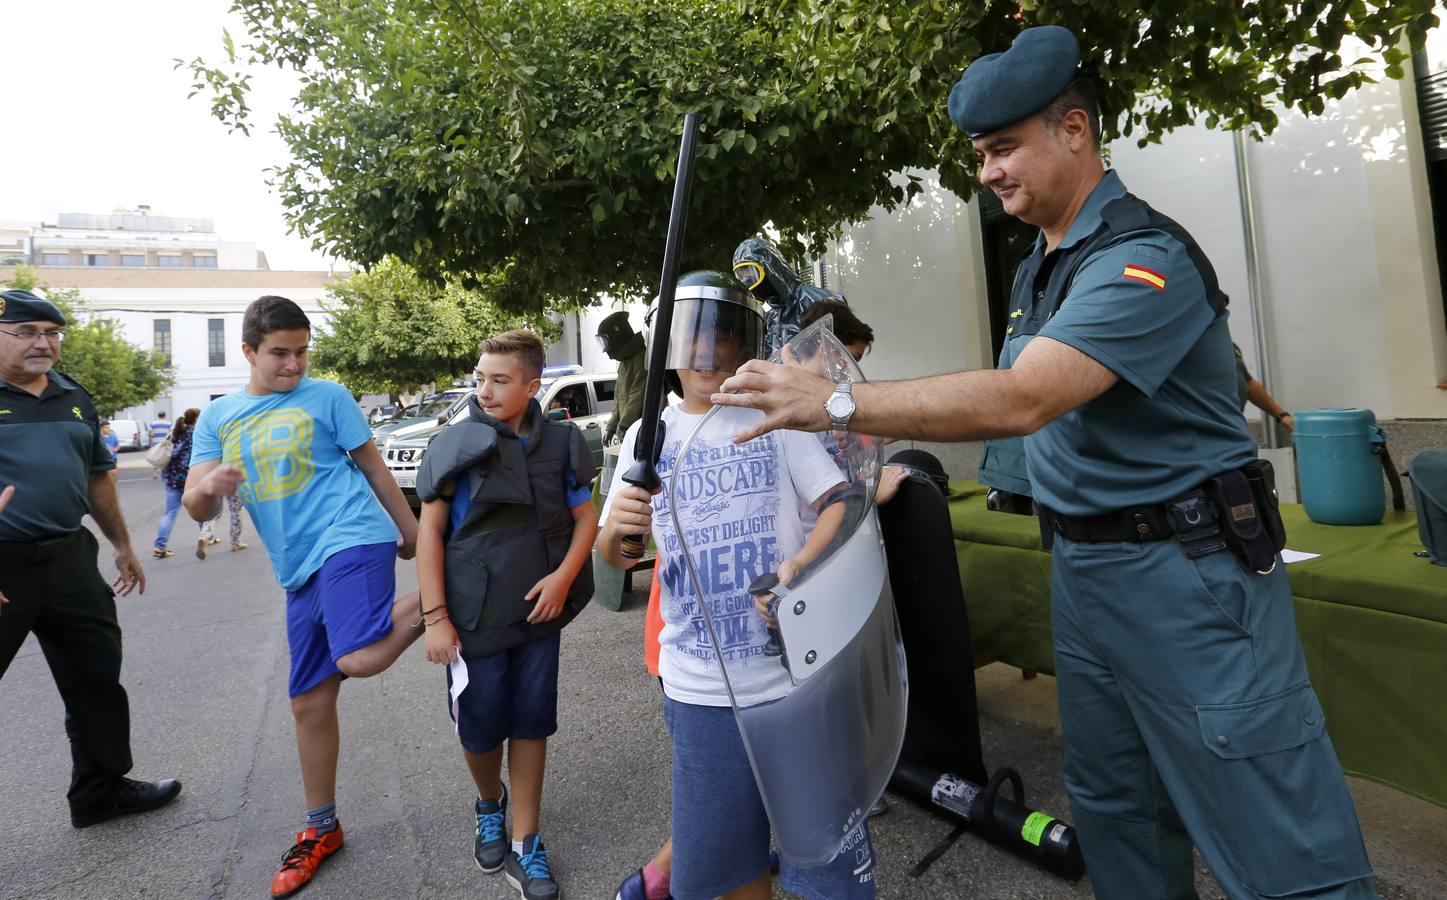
(839, 405)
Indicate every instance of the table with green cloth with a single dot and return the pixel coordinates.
(1372, 617)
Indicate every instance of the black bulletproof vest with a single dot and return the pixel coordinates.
(1041, 288)
(517, 529)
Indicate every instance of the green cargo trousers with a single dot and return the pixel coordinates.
(1188, 717)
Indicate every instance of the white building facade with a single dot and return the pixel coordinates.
(170, 284)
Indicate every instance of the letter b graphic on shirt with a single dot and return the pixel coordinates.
(277, 444)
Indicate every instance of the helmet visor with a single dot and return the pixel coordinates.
(751, 274)
(713, 335)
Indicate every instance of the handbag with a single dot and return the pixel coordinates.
(160, 453)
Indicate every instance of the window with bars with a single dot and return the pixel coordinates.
(216, 341)
(161, 338)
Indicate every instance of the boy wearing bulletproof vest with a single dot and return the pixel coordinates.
(503, 563)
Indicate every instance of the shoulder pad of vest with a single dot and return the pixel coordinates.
(457, 449)
(580, 455)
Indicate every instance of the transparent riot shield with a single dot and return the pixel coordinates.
(784, 554)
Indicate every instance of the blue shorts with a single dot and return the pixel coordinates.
(512, 694)
(344, 606)
(720, 829)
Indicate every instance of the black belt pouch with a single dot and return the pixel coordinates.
(1250, 523)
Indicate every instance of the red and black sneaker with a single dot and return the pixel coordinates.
(301, 862)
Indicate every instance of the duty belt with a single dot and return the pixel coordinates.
(1236, 510)
(39, 550)
(1191, 518)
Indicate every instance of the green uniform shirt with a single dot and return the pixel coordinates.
(1138, 304)
(628, 393)
(49, 446)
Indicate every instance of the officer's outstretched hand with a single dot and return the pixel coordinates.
(789, 396)
(131, 575)
(5, 496)
(223, 481)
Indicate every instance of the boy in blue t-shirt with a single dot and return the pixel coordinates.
(298, 453)
(504, 562)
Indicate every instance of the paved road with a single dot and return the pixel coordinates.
(206, 669)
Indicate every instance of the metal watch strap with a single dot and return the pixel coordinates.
(847, 389)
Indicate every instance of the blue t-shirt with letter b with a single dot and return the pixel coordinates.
(306, 496)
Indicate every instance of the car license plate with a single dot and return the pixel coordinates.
(405, 479)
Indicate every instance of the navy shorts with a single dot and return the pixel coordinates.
(344, 606)
(720, 829)
(512, 694)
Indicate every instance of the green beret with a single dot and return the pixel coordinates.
(1004, 88)
(23, 306)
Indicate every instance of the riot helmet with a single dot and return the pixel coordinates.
(614, 332)
(717, 324)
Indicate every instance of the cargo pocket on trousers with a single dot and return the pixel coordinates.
(1286, 814)
(466, 590)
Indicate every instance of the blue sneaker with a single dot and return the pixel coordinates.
(529, 871)
(489, 844)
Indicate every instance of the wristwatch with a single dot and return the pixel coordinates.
(840, 406)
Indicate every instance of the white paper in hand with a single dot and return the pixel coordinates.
(458, 670)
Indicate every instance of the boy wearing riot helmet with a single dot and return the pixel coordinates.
(721, 833)
(503, 564)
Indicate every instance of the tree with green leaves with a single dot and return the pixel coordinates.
(116, 373)
(530, 147)
(391, 332)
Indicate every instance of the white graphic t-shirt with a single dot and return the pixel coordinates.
(740, 507)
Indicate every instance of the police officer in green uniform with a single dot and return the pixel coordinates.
(1184, 699)
(51, 448)
(628, 348)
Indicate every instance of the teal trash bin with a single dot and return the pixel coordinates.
(1338, 461)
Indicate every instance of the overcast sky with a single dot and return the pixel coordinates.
(97, 119)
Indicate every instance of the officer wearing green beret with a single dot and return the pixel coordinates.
(51, 448)
(1184, 699)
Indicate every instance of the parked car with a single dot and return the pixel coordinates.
(384, 413)
(426, 418)
(133, 435)
(583, 398)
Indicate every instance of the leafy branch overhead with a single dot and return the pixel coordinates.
(391, 332)
(530, 147)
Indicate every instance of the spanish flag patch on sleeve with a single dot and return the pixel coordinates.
(1149, 276)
